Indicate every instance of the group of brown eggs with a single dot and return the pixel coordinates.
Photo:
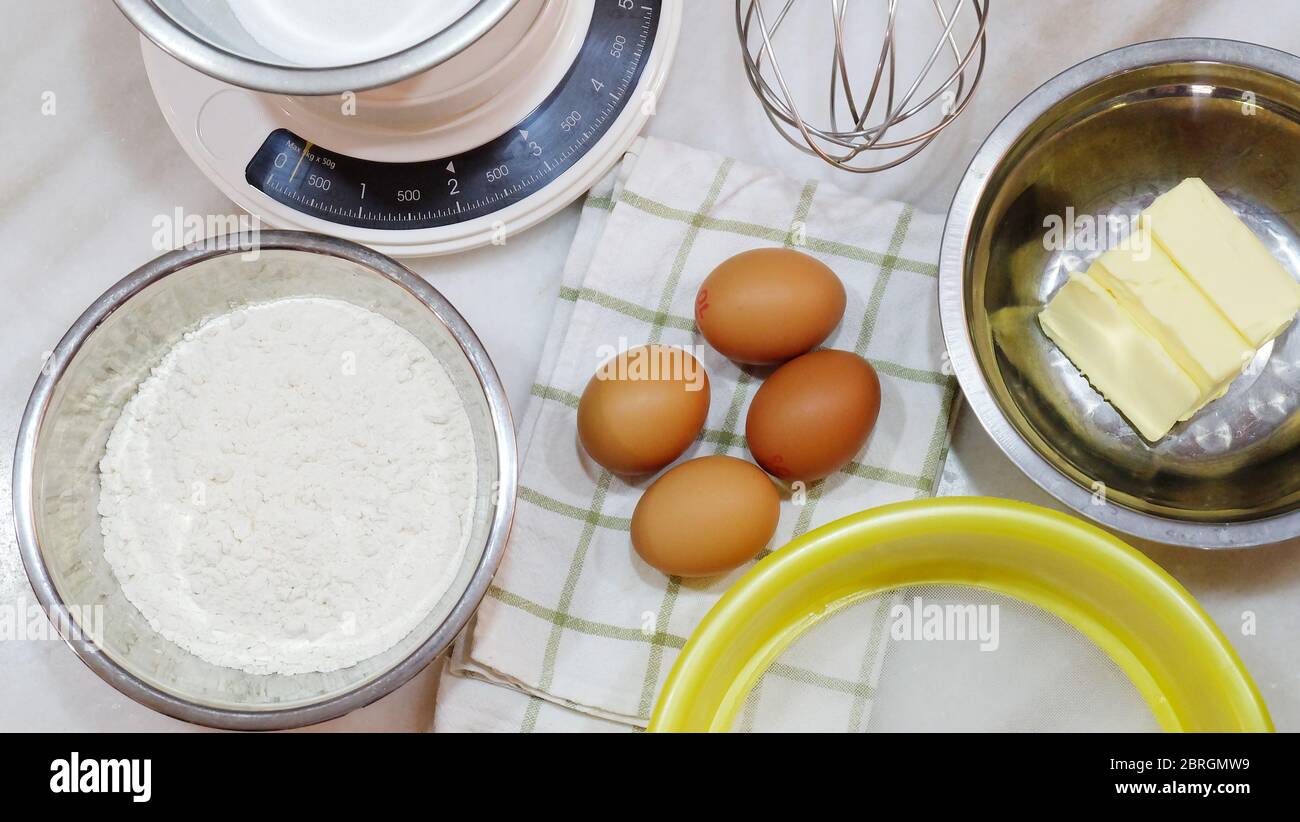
(644, 407)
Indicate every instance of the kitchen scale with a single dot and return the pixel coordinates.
(505, 113)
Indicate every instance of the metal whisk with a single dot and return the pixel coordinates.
(842, 143)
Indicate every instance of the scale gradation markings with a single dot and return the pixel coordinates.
(409, 196)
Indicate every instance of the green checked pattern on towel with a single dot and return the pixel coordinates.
(575, 619)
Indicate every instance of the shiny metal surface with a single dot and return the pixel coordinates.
(95, 369)
(206, 36)
(1104, 138)
(866, 128)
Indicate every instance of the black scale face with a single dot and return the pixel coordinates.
(447, 190)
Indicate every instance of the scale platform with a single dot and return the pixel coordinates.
(462, 156)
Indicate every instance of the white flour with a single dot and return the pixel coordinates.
(291, 489)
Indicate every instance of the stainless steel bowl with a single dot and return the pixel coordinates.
(207, 36)
(1105, 137)
(95, 369)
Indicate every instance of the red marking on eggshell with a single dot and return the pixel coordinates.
(701, 301)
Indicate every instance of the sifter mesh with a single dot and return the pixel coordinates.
(859, 670)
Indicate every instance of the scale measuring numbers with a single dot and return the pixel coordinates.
(415, 207)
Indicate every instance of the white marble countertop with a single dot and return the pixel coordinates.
(79, 191)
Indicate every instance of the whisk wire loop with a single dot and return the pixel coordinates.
(850, 140)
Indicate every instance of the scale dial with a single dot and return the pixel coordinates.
(445, 191)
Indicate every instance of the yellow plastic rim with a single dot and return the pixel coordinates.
(1140, 616)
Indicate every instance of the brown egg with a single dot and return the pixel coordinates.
(705, 516)
(813, 415)
(767, 305)
(643, 408)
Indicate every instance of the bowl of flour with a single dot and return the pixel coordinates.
(271, 482)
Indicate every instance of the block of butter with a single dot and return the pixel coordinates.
(1224, 258)
(1163, 324)
(1124, 363)
(1169, 307)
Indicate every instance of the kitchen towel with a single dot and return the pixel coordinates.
(574, 617)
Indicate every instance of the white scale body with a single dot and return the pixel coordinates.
(496, 139)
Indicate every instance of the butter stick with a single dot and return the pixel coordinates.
(1168, 306)
(1225, 259)
(1124, 363)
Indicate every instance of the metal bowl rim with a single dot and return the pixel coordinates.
(952, 296)
(179, 42)
(325, 709)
